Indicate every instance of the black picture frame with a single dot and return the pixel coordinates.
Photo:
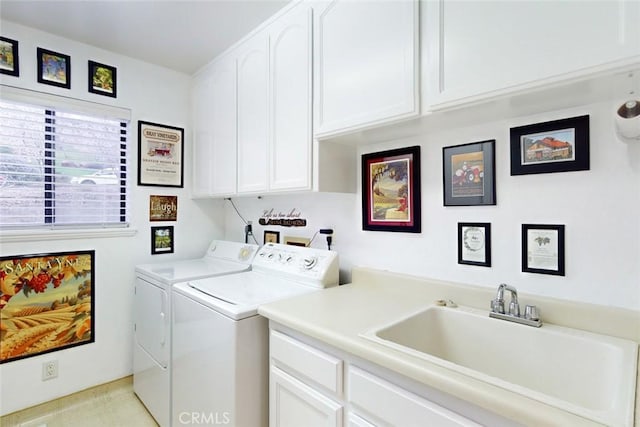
(160, 155)
(543, 249)
(474, 243)
(396, 208)
(469, 174)
(162, 240)
(9, 57)
(54, 68)
(102, 79)
(554, 146)
(271, 236)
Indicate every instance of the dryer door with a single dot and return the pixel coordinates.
(151, 316)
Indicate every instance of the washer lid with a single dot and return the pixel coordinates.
(180, 271)
(240, 295)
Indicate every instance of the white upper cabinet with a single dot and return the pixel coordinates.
(477, 49)
(222, 160)
(366, 64)
(253, 114)
(291, 117)
(201, 186)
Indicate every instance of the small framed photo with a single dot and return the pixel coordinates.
(469, 175)
(54, 68)
(555, 146)
(162, 240)
(271, 236)
(543, 249)
(391, 190)
(9, 61)
(102, 79)
(474, 243)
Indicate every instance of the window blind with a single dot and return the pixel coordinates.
(60, 167)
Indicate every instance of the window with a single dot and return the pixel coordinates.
(61, 167)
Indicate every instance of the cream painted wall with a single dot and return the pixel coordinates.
(154, 94)
(599, 208)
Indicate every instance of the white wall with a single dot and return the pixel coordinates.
(154, 94)
(599, 208)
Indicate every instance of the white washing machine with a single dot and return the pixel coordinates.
(220, 355)
(152, 317)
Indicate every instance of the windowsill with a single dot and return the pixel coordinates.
(15, 236)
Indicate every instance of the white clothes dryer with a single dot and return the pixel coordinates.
(152, 317)
(220, 356)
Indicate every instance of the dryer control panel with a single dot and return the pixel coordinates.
(311, 266)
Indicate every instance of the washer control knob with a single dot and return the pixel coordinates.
(309, 262)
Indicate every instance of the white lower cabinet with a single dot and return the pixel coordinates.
(311, 387)
(293, 404)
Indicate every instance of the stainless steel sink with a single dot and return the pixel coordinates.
(587, 374)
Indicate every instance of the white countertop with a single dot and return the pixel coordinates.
(338, 316)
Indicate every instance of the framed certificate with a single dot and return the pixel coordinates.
(543, 249)
(474, 243)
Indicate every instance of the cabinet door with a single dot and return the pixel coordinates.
(290, 153)
(294, 404)
(223, 124)
(522, 42)
(202, 135)
(365, 64)
(386, 404)
(253, 114)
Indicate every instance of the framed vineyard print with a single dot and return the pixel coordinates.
(46, 303)
(543, 249)
(391, 190)
(555, 146)
(162, 240)
(102, 79)
(469, 174)
(9, 61)
(54, 68)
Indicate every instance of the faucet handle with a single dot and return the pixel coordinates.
(514, 308)
(531, 312)
(497, 305)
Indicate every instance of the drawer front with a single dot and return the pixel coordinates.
(306, 361)
(383, 403)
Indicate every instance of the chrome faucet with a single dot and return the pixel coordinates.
(531, 317)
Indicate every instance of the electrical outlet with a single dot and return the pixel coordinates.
(49, 370)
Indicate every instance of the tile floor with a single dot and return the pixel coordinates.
(108, 405)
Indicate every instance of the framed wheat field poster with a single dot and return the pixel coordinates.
(46, 304)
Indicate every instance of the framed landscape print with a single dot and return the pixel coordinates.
(474, 243)
(543, 249)
(54, 68)
(160, 155)
(102, 79)
(9, 61)
(469, 176)
(162, 240)
(47, 303)
(391, 190)
(555, 146)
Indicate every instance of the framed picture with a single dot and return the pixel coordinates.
(162, 240)
(54, 68)
(163, 208)
(102, 79)
(469, 175)
(474, 243)
(391, 190)
(47, 303)
(543, 249)
(9, 61)
(556, 146)
(160, 155)
(271, 236)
